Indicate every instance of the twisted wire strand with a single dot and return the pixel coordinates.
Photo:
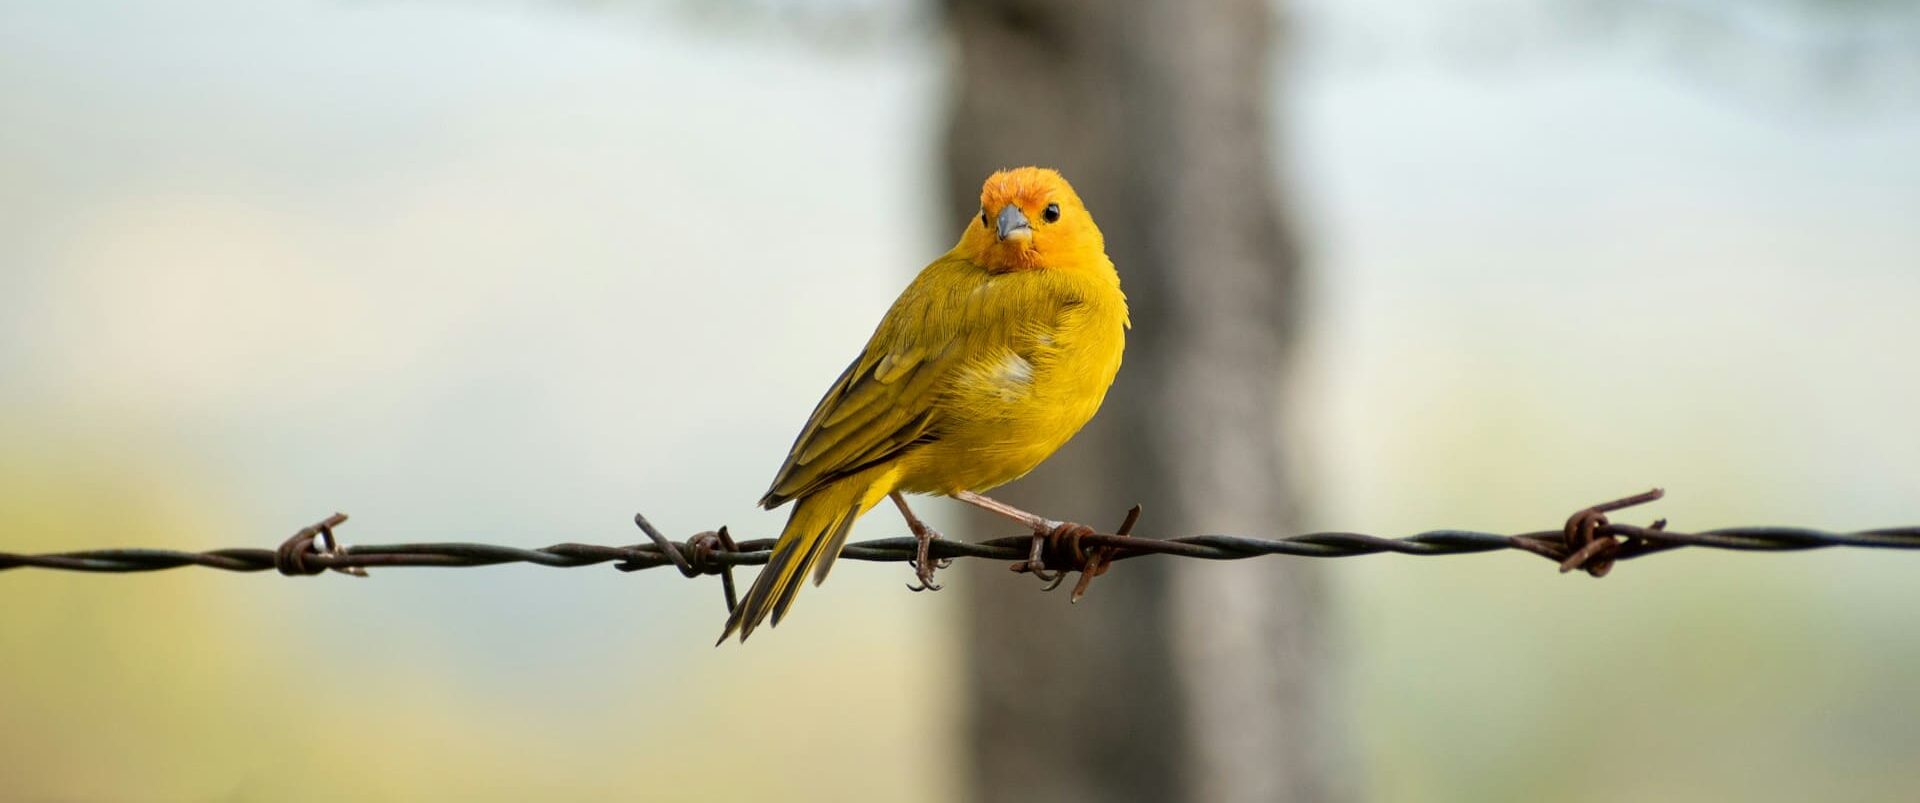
(1588, 542)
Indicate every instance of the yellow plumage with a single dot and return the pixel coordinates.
(989, 361)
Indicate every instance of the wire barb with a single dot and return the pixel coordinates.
(695, 558)
(291, 559)
(1588, 541)
(1055, 553)
(1593, 550)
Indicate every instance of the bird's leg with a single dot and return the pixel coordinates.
(923, 562)
(1044, 531)
(1038, 524)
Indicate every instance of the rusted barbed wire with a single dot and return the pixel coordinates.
(1588, 542)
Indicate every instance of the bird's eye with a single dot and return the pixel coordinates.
(983, 220)
(1052, 213)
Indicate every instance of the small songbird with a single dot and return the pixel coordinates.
(990, 360)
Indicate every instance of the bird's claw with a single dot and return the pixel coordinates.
(1063, 540)
(923, 562)
(1049, 540)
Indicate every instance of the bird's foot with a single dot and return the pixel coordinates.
(923, 562)
(1051, 540)
(1062, 540)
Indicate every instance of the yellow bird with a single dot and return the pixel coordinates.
(989, 361)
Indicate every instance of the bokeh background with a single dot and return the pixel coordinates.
(511, 271)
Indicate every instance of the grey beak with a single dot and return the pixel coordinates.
(1012, 221)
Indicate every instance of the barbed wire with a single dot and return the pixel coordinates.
(1587, 542)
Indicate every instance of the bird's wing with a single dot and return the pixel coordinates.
(887, 400)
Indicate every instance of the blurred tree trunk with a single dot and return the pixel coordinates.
(1171, 681)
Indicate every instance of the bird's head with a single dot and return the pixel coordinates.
(1030, 219)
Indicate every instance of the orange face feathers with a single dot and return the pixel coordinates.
(1031, 219)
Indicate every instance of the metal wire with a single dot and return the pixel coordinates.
(1587, 542)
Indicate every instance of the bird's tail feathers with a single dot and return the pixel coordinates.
(812, 539)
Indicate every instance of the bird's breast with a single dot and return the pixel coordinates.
(1032, 382)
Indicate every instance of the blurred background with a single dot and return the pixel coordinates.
(510, 271)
